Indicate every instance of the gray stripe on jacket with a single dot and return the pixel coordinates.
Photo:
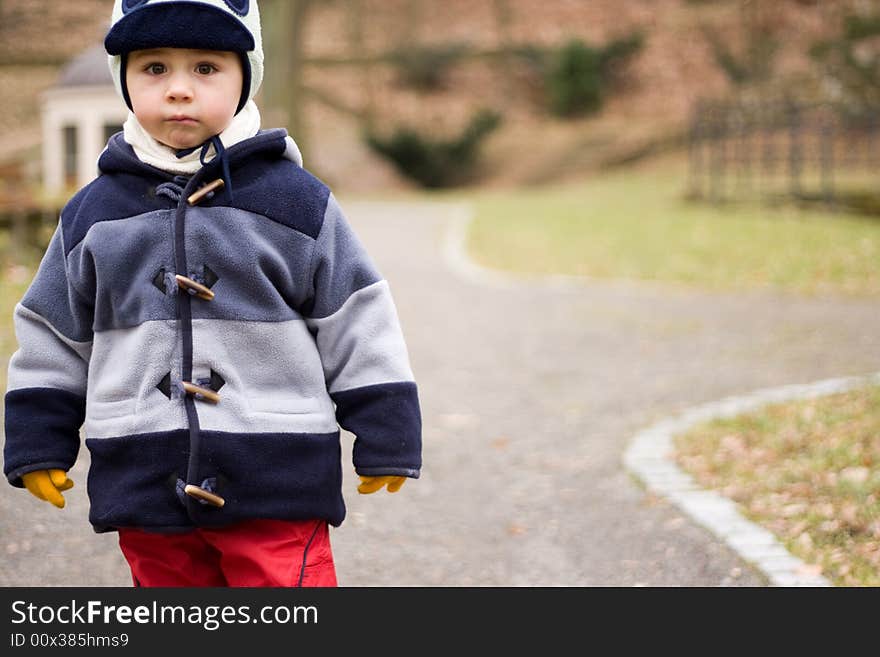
(53, 295)
(261, 266)
(46, 357)
(126, 366)
(272, 372)
(340, 264)
(361, 344)
(266, 271)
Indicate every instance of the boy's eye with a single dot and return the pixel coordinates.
(156, 69)
(205, 69)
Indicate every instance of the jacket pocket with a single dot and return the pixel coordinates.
(105, 409)
(284, 405)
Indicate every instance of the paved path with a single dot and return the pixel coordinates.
(530, 395)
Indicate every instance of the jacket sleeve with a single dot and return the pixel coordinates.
(46, 388)
(366, 365)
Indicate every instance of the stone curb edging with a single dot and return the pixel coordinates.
(650, 458)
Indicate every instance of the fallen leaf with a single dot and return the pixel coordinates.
(500, 443)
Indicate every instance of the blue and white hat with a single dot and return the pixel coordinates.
(232, 25)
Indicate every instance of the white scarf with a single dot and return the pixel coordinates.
(244, 125)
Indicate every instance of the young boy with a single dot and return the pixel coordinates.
(208, 315)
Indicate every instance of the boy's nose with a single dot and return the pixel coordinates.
(178, 89)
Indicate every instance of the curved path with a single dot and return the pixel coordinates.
(530, 391)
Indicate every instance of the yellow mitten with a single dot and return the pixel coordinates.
(372, 484)
(48, 485)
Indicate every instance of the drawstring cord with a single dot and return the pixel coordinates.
(220, 153)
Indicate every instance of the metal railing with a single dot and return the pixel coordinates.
(783, 149)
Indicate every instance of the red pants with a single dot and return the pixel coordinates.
(252, 553)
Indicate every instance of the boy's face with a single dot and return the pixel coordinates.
(183, 97)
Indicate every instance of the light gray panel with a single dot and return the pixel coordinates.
(46, 358)
(362, 344)
(274, 379)
(125, 368)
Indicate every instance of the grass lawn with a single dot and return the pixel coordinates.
(636, 224)
(807, 471)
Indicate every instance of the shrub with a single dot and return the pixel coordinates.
(426, 68)
(574, 83)
(436, 162)
(577, 77)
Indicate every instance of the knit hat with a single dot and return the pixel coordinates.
(232, 25)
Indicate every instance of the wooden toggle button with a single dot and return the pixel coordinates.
(204, 191)
(201, 291)
(202, 494)
(199, 392)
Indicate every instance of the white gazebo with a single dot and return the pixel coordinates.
(80, 112)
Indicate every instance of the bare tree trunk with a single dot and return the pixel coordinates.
(415, 19)
(504, 67)
(284, 23)
(356, 31)
(273, 50)
(295, 102)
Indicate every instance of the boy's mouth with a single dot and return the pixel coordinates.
(182, 119)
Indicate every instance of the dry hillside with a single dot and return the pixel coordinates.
(650, 107)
